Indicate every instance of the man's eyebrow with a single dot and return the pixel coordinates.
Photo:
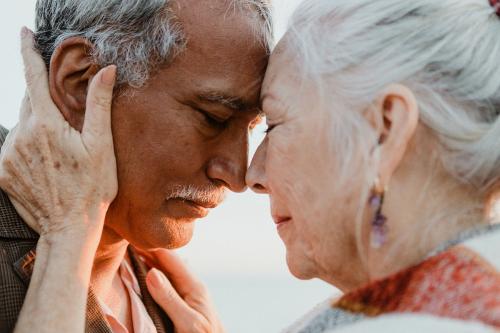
(231, 102)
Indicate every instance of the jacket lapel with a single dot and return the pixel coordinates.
(94, 318)
(162, 322)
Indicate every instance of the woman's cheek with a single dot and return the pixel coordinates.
(280, 166)
(282, 144)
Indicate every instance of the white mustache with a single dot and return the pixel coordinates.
(209, 195)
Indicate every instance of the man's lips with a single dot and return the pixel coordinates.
(184, 208)
(199, 210)
(206, 205)
(202, 207)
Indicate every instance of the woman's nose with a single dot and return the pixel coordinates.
(256, 177)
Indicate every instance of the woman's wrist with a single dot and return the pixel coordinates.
(63, 223)
(60, 281)
(79, 226)
(68, 255)
(73, 232)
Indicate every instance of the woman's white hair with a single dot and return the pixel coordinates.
(447, 52)
(136, 35)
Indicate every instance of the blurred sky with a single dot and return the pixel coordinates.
(237, 240)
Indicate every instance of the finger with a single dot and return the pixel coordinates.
(167, 298)
(97, 125)
(146, 259)
(146, 256)
(180, 276)
(25, 109)
(36, 75)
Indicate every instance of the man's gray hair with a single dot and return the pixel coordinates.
(136, 35)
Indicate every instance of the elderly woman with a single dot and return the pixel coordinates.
(382, 157)
(382, 164)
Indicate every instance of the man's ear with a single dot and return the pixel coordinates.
(398, 113)
(71, 69)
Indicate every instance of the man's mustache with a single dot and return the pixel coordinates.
(210, 196)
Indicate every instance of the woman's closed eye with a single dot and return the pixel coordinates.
(269, 129)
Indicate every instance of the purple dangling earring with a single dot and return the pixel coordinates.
(379, 228)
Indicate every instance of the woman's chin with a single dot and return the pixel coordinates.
(300, 267)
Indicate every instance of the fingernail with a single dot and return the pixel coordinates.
(157, 279)
(108, 76)
(146, 261)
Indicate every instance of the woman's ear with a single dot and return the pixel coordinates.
(398, 113)
(71, 69)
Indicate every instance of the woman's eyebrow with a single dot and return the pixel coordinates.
(270, 97)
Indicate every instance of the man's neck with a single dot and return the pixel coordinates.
(106, 282)
(109, 255)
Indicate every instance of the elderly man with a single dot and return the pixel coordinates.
(188, 83)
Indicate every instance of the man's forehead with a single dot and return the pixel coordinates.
(189, 10)
(224, 60)
(218, 7)
(218, 21)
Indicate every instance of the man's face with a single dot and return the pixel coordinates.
(183, 139)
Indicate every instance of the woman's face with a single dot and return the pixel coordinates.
(296, 167)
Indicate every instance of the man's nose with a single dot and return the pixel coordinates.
(256, 177)
(229, 166)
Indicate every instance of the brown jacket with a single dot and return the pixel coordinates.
(17, 257)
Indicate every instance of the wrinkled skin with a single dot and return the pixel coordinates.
(177, 132)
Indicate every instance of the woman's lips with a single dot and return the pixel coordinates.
(279, 220)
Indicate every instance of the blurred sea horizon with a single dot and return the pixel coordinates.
(263, 304)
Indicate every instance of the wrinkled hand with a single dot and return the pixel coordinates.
(180, 294)
(54, 174)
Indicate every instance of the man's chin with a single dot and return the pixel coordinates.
(166, 236)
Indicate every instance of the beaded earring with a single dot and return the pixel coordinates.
(379, 227)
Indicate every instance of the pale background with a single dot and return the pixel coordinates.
(236, 250)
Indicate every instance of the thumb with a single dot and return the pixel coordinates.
(167, 298)
(97, 125)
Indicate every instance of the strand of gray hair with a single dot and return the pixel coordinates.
(138, 36)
